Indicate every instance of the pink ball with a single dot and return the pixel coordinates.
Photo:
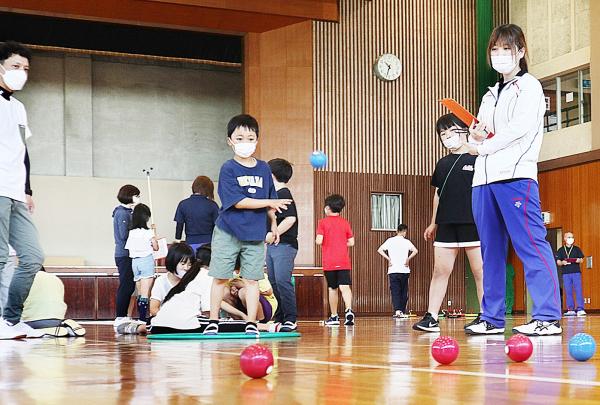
(518, 348)
(256, 361)
(444, 349)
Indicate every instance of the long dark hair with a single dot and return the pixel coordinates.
(191, 274)
(179, 252)
(140, 217)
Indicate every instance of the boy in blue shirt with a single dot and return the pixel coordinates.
(247, 196)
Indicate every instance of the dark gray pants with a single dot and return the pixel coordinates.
(280, 264)
(17, 229)
(399, 290)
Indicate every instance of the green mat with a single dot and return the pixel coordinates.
(230, 335)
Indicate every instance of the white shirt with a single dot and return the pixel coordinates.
(14, 132)
(516, 118)
(181, 311)
(139, 242)
(162, 286)
(398, 248)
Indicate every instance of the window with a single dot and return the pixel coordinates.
(568, 100)
(386, 211)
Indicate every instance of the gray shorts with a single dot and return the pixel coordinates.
(225, 250)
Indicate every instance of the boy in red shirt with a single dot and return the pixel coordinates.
(335, 235)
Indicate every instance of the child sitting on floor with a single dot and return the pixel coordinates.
(180, 259)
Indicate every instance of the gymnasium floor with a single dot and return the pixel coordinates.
(379, 360)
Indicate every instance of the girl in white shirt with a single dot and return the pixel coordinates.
(179, 260)
(141, 243)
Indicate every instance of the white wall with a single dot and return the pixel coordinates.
(73, 214)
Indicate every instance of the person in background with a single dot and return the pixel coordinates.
(128, 197)
(569, 257)
(280, 258)
(400, 251)
(197, 214)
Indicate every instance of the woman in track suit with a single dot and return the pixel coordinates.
(506, 201)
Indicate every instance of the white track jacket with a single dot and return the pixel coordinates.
(516, 118)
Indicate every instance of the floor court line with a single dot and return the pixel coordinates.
(429, 370)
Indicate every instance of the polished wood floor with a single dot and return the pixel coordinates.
(377, 361)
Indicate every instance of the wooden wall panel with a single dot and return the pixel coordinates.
(80, 297)
(369, 126)
(370, 284)
(571, 195)
(501, 12)
(278, 92)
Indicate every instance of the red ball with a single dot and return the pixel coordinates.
(256, 361)
(518, 348)
(444, 349)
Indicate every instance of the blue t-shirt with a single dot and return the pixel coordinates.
(237, 182)
(198, 213)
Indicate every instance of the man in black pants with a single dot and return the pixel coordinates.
(398, 251)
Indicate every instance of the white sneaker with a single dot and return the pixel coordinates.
(8, 331)
(539, 328)
(581, 312)
(119, 320)
(569, 313)
(28, 330)
(483, 328)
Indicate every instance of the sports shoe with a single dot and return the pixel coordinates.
(8, 331)
(570, 312)
(333, 321)
(400, 315)
(251, 329)
(349, 317)
(427, 324)
(288, 326)
(539, 328)
(212, 328)
(581, 312)
(119, 320)
(129, 328)
(274, 326)
(28, 331)
(474, 321)
(483, 328)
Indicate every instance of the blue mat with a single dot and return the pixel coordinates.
(228, 335)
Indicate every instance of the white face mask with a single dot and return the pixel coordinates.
(244, 149)
(452, 142)
(570, 241)
(180, 273)
(504, 64)
(136, 199)
(14, 79)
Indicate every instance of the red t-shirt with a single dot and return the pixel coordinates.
(336, 231)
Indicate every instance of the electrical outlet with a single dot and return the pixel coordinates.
(449, 303)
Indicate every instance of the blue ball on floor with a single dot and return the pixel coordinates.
(582, 347)
(318, 159)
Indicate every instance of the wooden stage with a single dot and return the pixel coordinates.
(379, 360)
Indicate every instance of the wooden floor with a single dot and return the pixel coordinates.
(377, 361)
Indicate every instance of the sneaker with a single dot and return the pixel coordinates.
(400, 315)
(349, 318)
(119, 320)
(274, 326)
(8, 331)
(251, 329)
(212, 328)
(427, 324)
(474, 321)
(28, 331)
(483, 328)
(581, 312)
(288, 326)
(569, 313)
(539, 328)
(333, 321)
(129, 328)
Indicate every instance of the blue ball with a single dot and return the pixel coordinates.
(318, 159)
(582, 347)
